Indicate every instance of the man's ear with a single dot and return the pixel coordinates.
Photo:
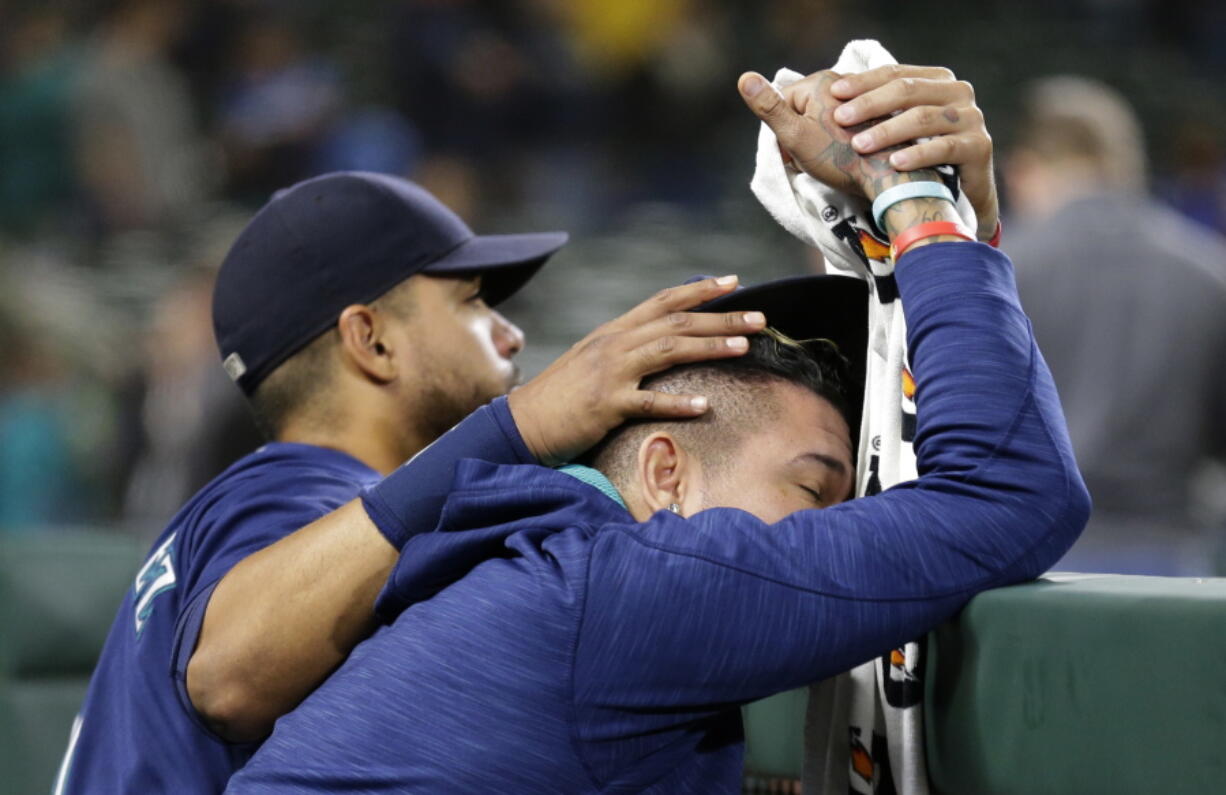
(668, 475)
(364, 346)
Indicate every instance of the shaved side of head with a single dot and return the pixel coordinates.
(741, 401)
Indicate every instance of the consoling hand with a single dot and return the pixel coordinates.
(594, 387)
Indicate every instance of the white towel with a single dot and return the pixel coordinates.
(864, 729)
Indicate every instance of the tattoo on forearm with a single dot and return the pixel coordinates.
(911, 212)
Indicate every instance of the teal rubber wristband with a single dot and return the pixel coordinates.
(925, 189)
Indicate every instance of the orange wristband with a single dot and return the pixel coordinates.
(995, 241)
(931, 229)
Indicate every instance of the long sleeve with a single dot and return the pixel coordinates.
(770, 607)
(410, 501)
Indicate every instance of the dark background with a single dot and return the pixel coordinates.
(137, 137)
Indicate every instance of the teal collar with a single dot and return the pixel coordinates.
(594, 478)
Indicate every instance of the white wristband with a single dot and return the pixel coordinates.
(923, 189)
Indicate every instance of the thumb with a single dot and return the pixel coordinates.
(769, 105)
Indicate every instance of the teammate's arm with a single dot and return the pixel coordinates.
(285, 616)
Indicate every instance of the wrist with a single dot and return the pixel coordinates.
(929, 232)
(888, 178)
(521, 417)
(912, 212)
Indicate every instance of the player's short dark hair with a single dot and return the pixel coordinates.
(301, 384)
(740, 402)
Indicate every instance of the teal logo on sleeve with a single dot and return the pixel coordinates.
(155, 578)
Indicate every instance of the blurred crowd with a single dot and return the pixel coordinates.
(136, 137)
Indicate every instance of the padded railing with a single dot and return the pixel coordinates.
(1072, 684)
(58, 595)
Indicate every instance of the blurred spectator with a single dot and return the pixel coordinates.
(277, 107)
(183, 420)
(38, 69)
(139, 150)
(1197, 184)
(1128, 300)
(39, 483)
(498, 95)
(369, 139)
(56, 349)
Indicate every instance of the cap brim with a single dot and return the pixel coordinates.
(813, 307)
(505, 262)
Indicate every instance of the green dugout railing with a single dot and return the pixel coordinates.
(1072, 684)
(58, 594)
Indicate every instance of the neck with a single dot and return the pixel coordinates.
(374, 443)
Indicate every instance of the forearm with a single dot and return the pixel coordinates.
(990, 430)
(410, 500)
(998, 500)
(283, 618)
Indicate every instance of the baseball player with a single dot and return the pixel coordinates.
(597, 631)
(356, 313)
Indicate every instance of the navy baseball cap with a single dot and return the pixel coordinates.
(347, 238)
(813, 307)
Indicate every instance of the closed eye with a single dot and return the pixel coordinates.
(815, 494)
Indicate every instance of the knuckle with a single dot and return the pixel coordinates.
(647, 402)
(908, 86)
(945, 73)
(680, 320)
(663, 296)
(926, 115)
(894, 71)
(666, 345)
(732, 320)
(771, 103)
(967, 89)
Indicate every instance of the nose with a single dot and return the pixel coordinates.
(508, 338)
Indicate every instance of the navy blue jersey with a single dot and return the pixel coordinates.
(137, 731)
(547, 642)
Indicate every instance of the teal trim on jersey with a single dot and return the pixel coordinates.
(594, 478)
(153, 574)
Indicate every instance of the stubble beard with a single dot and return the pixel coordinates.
(441, 409)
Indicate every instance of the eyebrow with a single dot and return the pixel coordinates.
(829, 461)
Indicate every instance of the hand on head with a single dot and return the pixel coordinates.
(594, 387)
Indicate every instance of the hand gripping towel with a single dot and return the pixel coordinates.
(864, 729)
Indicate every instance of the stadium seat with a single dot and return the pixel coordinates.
(58, 595)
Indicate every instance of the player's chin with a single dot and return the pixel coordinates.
(514, 378)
